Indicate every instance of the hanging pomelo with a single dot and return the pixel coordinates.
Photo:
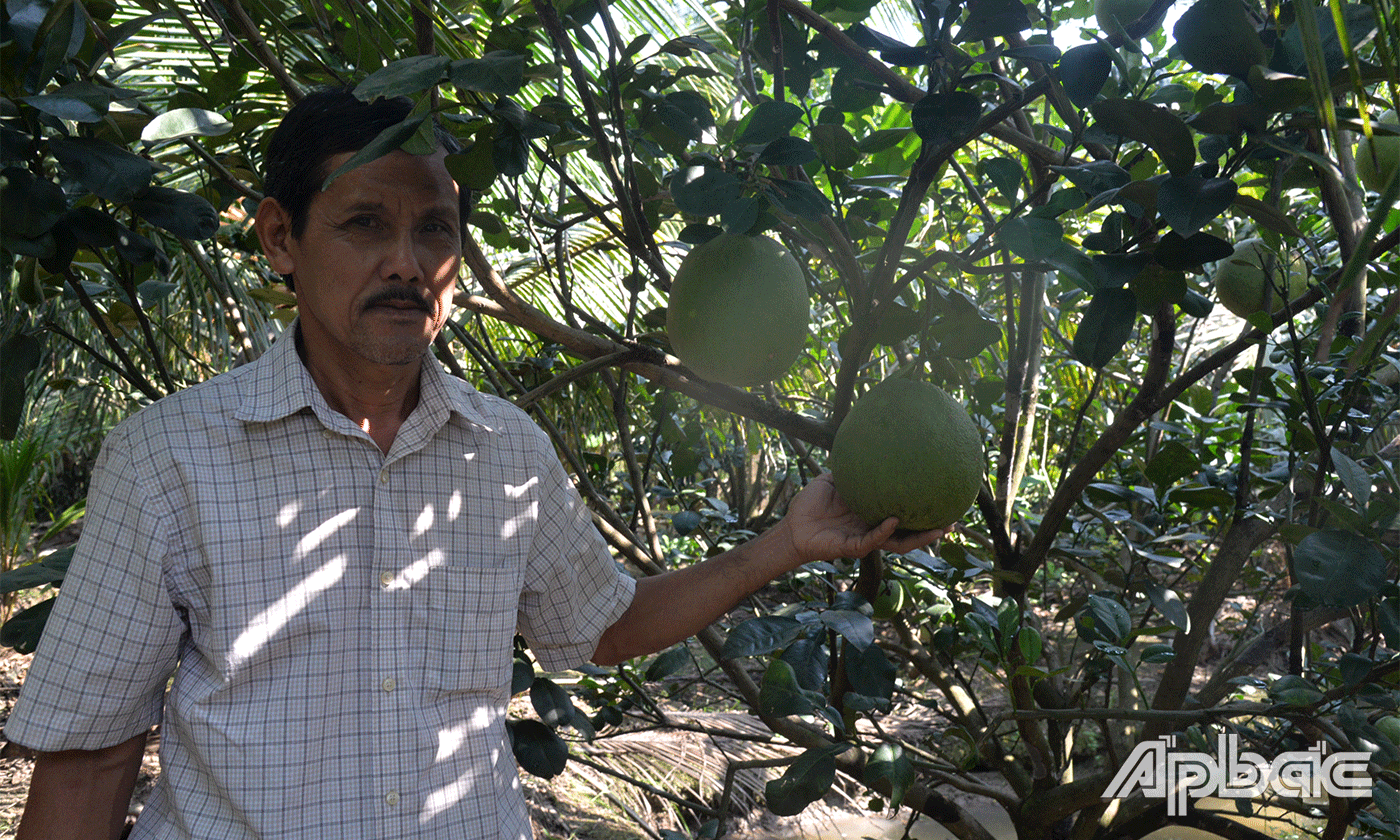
(738, 310)
(1239, 279)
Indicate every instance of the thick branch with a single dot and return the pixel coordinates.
(1142, 406)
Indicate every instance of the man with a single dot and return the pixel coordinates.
(333, 547)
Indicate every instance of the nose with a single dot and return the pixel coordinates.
(401, 261)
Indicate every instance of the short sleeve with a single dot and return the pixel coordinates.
(573, 590)
(99, 674)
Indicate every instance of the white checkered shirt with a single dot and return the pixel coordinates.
(342, 620)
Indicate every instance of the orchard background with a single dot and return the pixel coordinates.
(1188, 521)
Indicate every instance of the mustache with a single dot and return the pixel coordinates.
(403, 293)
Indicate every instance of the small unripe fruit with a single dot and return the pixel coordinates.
(890, 600)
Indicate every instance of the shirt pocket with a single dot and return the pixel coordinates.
(472, 615)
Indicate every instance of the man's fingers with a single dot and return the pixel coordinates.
(912, 541)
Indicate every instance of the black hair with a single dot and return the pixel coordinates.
(326, 123)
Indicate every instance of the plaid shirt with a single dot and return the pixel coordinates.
(342, 620)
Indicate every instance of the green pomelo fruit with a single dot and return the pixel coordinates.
(1113, 15)
(738, 310)
(910, 450)
(1239, 279)
(889, 601)
(1378, 157)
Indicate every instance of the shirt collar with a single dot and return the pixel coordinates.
(279, 385)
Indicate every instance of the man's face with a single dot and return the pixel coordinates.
(377, 263)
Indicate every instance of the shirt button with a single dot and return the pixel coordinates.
(388, 684)
(383, 476)
(386, 578)
(327, 434)
(391, 798)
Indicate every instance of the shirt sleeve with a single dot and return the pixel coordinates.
(99, 674)
(573, 590)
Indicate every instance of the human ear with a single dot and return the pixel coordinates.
(274, 227)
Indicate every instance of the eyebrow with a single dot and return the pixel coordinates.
(448, 211)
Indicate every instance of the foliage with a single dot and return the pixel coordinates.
(1027, 222)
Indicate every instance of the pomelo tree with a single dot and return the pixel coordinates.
(1188, 521)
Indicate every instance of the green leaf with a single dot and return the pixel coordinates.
(1189, 253)
(836, 145)
(1169, 604)
(1032, 238)
(522, 676)
(798, 198)
(1106, 326)
(407, 75)
(1293, 690)
(1095, 177)
(1217, 36)
(551, 702)
(107, 171)
(184, 214)
(510, 152)
(22, 353)
(1112, 623)
(1354, 476)
(870, 672)
(770, 120)
(24, 628)
(941, 118)
(473, 168)
(761, 635)
(806, 781)
(889, 764)
(741, 215)
(853, 626)
(780, 695)
(97, 230)
(1152, 125)
(501, 72)
(1188, 202)
(185, 122)
(788, 151)
(1174, 461)
(668, 663)
(1004, 173)
(538, 749)
(30, 206)
(1158, 653)
(1267, 216)
(1083, 71)
(383, 143)
(703, 190)
(993, 19)
(1339, 568)
(687, 113)
(53, 568)
(1114, 271)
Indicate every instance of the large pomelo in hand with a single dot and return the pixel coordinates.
(738, 310)
(1239, 279)
(910, 450)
